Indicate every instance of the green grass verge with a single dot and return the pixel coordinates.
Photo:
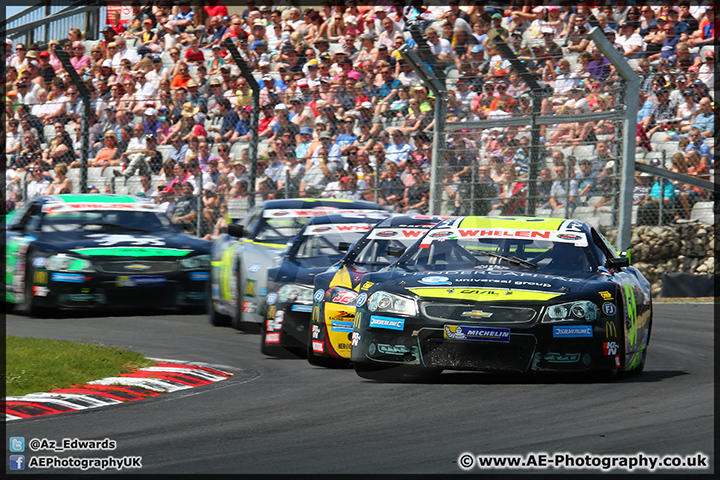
(36, 365)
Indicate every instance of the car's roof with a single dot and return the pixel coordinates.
(348, 218)
(524, 223)
(302, 203)
(407, 220)
(91, 197)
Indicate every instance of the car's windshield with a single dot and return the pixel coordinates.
(319, 244)
(280, 230)
(92, 221)
(547, 256)
(384, 246)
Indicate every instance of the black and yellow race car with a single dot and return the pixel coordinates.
(336, 291)
(319, 246)
(504, 295)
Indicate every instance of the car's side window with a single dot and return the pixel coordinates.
(28, 219)
(600, 248)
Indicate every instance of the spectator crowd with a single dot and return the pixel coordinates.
(343, 115)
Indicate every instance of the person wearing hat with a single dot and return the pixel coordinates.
(148, 40)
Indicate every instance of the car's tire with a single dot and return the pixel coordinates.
(380, 373)
(274, 350)
(28, 306)
(216, 319)
(325, 362)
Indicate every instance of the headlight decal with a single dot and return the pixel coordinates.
(584, 310)
(65, 263)
(382, 301)
(295, 293)
(198, 262)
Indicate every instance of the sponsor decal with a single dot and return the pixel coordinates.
(361, 300)
(476, 314)
(133, 252)
(279, 319)
(567, 236)
(136, 267)
(263, 292)
(315, 331)
(610, 348)
(140, 280)
(321, 229)
(440, 234)
(606, 295)
(461, 332)
(67, 277)
(551, 357)
(250, 288)
(41, 278)
(271, 311)
(336, 326)
(617, 361)
(355, 339)
(386, 234)
(301, 308)
(395, 349)
(39, 291)
(367, 285)
(610, 330)
(608, 309)
(387, 322)
(358, 317)
(83, 297)
(572, 331)
(199, 276)
(272, 338)
(254, 268)
(319, 295)
(272, 298)
(344, 297)
(435, 281)
(318, 347)
(39, 262)
(109, 240)
(248, 307)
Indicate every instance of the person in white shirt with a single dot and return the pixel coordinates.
(39, 185)
(123, 52)
(631, 42)
(440, 47)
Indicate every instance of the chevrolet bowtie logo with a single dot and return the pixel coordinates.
(136, 266)
(476, 314)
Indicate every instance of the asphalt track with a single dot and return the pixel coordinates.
(285, 416)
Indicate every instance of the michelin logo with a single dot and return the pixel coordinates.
(572, 331)
(458, 332)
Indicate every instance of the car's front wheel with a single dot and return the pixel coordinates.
(216, 319)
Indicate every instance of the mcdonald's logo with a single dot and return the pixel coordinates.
(610, 330)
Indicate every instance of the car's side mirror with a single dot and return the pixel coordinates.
(395, 252)
(343, 246)
(235, 230)
(617, 263)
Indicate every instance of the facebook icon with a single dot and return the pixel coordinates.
(17, 462)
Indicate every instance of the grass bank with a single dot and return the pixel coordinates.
(37, 365)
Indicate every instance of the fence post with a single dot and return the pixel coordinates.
(254, 116)
(85, 123)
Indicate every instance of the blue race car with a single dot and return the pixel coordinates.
(321, 244)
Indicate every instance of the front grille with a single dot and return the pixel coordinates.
(477, 314)
(150, 297)
(134, 267)
(473, 355)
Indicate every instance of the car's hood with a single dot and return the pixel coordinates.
(155, 244)
(490, 284)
